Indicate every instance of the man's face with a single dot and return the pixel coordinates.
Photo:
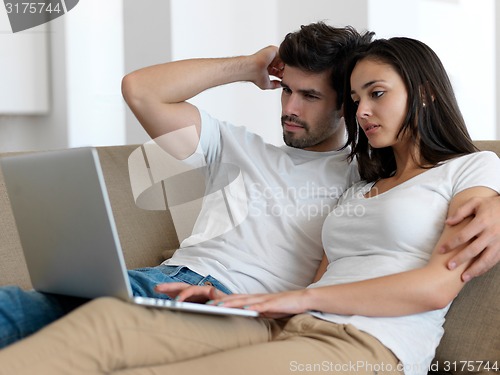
(309, 116)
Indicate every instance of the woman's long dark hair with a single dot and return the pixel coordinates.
(433, 121)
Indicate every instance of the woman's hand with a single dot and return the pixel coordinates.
(277, 305)
(190, 293)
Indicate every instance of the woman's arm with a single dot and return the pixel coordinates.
(202, 294)
(431, 287)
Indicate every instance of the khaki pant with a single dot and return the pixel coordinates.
(108, 336)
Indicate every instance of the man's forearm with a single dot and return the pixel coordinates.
(177, 81)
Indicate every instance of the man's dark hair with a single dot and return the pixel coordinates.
(318, 47)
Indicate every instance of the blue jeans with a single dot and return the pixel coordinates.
(25, 312)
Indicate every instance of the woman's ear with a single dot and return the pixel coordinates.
(425, 92)
(341, 111)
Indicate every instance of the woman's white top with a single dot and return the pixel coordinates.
(394, 232)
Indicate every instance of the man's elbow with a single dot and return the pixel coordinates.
(131, 90)
(127, 86)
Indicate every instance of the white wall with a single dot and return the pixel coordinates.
(147, 41)
(86, 65)
(462, 33)
(92, 46)
(24, 63)
(94, 69)
(497, 63)
(33, 132)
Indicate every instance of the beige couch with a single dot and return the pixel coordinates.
(473, 322)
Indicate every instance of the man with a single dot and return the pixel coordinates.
(275, 245)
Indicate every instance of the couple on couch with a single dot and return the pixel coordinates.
(384, 278)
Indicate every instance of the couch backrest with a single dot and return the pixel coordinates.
(489, 145)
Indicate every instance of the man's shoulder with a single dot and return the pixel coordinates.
(226, 128)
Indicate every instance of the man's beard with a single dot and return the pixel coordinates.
(308, 139)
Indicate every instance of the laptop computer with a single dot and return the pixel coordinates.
(67, 229)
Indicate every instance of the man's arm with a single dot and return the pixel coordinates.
(483, 232)
(157, 94)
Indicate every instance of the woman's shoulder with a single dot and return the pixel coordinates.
(480, 168)
(488, 157)
(483, 155)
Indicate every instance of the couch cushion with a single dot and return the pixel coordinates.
(144, 235)
(13, 269)
(472, 328)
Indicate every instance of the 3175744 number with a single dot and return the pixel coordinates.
(33, 8)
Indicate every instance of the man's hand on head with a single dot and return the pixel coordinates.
(268, 65)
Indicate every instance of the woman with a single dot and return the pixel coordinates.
(383, 288)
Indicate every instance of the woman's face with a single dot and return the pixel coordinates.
(381, 98)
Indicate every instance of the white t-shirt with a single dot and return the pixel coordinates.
(260, 225)
(394, 232)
